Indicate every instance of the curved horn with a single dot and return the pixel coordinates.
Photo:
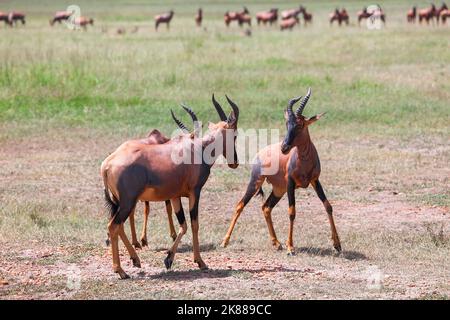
(303, 103)
(179, 123)
(291, 103)
(193, 116)
(235, 109)
(219, 109)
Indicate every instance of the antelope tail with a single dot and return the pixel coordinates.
(111, 204)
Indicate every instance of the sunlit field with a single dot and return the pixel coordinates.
(69, 98)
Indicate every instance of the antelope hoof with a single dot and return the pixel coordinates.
(291, 252)
(201, 265)
(338, 247)
(107, 242)
(144, 242)
(277, 246)
(168, 261)
(137, 245)
(122, 274)
(225, 242)
(136, 262)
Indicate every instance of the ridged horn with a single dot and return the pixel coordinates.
(303, 103)
(219, 109)
(179, 123)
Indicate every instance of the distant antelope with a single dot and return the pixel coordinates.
(307, 17)
(365, 14)
(288, 23)
(292, 13)
(411, 15)
(438, 12)
(270, 16)
(339, 16)
(199, 17)
(445, 14)
(241, 17)
(83, 22)
(136, 171)
(60, 16)
(15, 16)
(4, 17)
(164, 18)
(299, 166)
(427, 14)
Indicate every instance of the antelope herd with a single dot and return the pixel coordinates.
(288, 18)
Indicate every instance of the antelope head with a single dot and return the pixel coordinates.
(227, 128)
(297, 124)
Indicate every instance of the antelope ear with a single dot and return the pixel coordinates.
(313, 119)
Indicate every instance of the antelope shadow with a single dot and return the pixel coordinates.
(325, 252)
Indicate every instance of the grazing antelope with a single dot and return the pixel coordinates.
(288, 23)
(60, 16)
(83, 22)
(427, 14)
(444, 15)
(199, 17)
(15, 16)
(344, 16)
(292, 13)
(236, 16)
(299, 166)
(164, 18)
(4, 17)
(270, 16)
(307, 17)
(137, 171)
(411, 15)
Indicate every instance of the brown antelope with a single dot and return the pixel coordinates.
(427, 14)
(438, 12)
(339, 16)
(4, 17)
(411, 15)
(444, 15)
(83, 22)
(137, 171)
(292, 13)
(15, 16)
(199, 17)
(270, 16)
(298, 167)
(164, 18)
(307, 17)
(365, 14)
(236, 16)
(60, 16)
(288, 23)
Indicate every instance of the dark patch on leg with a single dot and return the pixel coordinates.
(180, 216)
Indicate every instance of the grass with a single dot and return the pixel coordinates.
(67, 99)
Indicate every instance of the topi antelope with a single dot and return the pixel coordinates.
(270, 16)
(60, 16)
(83, 22)
(199, 17)
(439, 11)
(288, 23)
(376, 12)
(445, 15)
(427, 14)
(292, 13)
(4, 17)
(241, 17)
(15, 16)
(307, 17)
(411, 15)
(339, 16)
(299, 166)
(164, 18)
(136, 171)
